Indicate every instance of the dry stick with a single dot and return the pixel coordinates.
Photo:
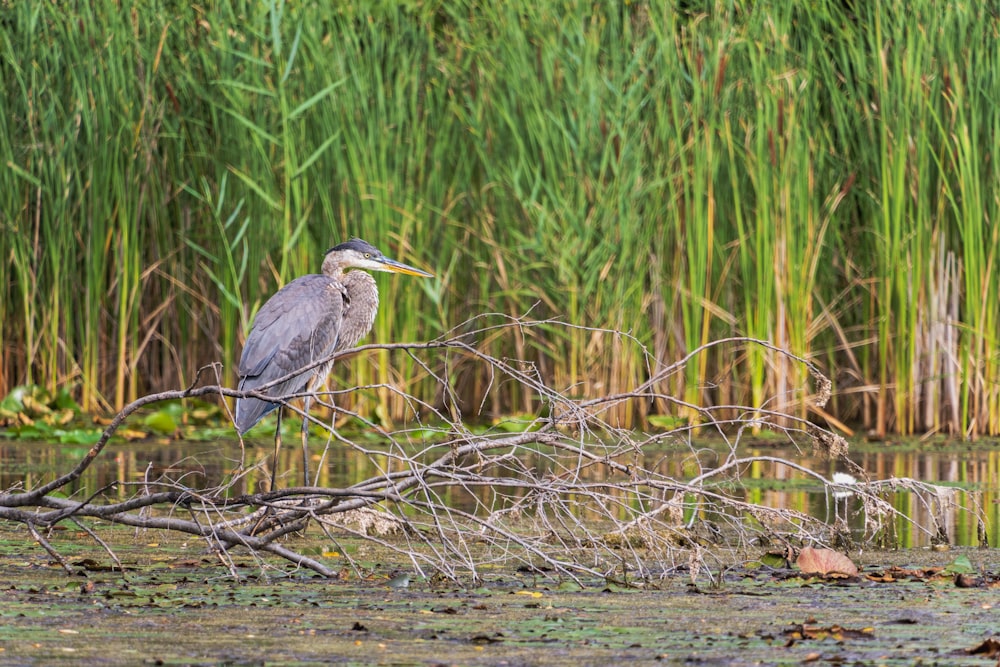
(225, 561)
(82, 526)
(223, 555)
(343, 552)
(144, 489)
(67, 513)
(299, 559)
(412, 555)
(48, 547)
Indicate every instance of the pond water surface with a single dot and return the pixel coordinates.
(973, 471)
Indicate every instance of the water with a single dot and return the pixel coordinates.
(972, 471)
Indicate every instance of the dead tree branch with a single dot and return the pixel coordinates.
(571, 494)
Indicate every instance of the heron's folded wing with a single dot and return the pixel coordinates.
(297, 326)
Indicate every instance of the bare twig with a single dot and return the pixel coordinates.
(56, 556)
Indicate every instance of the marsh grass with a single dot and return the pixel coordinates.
(821, 176)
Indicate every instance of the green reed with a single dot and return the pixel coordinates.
(814, 176)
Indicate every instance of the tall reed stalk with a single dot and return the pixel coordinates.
(821, 176)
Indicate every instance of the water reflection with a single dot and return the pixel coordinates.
(974, 472)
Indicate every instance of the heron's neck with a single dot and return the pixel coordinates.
(332, 266)
(360, 309)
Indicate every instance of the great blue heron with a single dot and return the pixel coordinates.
(307, 320)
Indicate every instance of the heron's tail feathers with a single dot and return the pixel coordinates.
(249, 411)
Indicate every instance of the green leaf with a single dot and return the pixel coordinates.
(309, 103)
(238, 85)
(64, 401)
(292, 54)
(253, 185)
(161, 421)
(667, 422)
(315, 156)
(773, 560)
(256, 129)
(24, 174)
(961, 565)
(79, 436)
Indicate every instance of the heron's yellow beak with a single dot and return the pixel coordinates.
(392, 266)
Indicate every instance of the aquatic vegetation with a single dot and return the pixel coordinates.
(818, 175)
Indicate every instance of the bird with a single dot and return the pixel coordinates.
(307, 320)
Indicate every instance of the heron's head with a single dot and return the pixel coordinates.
(358, 254)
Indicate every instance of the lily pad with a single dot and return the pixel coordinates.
(961, 565)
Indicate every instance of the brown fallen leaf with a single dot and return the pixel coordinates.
(990, 648)
(825, 562)
(968, 581)
(920, 574)
(834, 632)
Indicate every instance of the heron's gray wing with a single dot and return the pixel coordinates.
(296, 327)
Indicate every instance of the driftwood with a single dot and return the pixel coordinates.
(572, 494)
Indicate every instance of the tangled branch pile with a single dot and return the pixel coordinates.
(570, 493)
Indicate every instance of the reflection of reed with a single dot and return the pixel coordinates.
(974, 473)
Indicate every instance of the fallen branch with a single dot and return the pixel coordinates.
(572, 494)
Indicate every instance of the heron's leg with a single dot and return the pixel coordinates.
(277, 446)
(305, 441)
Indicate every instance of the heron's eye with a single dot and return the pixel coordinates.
(368, 255)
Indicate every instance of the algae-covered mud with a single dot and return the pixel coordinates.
(175, 604)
